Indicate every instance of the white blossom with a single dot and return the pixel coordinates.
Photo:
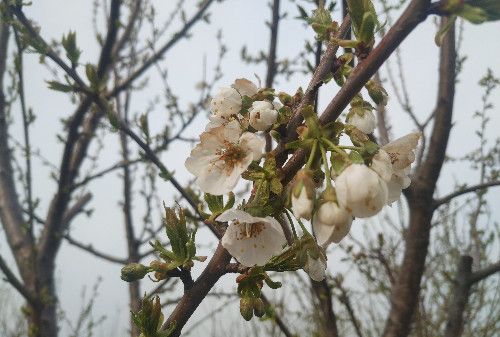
(302, 205)
(331, 223)
(222, 155)
(245, 87)
(365, 122)
(361, 191)
(402, 155)
(315, 268)
(227, 102)
(251, 240)
(381, 163)
(262, 115)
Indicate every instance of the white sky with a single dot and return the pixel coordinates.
(242, 22)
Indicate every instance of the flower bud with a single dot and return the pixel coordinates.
(262, 115)
(133, 272)
(331, 222)
(361, 191)
(303, 194)
(377, 92)
(246, 307)
(259, 309)
(362, 119)
(285, 98)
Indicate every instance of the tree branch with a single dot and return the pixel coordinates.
(485, 272)
(322, 70)
(460, 298)
(11, 214)
(405, 293)
(75, 148)
(90, 249)
(199, 290)
(446, 199)
(12, 279)
(159, 54)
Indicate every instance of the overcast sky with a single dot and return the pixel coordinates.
(242, 22)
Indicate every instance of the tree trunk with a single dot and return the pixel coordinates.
(460, 297)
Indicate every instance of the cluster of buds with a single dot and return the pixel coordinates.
(249, 289)
(182, 255)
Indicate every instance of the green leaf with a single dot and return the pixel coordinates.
(367, 29)
(302, 13)
(58, 86)
(276, 186)
(371, 147)
(356, 158)
(491, 8)
(91, 72)
(72, 51)
(215, 202)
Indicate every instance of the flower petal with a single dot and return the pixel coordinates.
(257, 248)
(245, 87)
(252, 143)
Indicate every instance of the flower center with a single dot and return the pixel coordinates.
(231, 155)
(252, 230)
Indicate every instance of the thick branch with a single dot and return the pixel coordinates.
(75, 149)
(322, 70)
(11, 214)
(414, 14)
(201, 287)
(405, 293)
(460, 298)
(324, 309)
(446, 199)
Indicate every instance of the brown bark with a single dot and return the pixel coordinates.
(324, 310)
(405, 293)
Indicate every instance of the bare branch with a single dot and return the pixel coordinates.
(12, 279)
(74, 210)
(159, 54)
(485, 272)
(405, 293)
(11, 214)
(327, 318)
(460, 298)
(446, 199)
(90, 249)
(277, 319)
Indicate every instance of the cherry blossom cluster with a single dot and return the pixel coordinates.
(337, 184)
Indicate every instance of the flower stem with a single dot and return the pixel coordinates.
(336, 148)
(346, 147)
(327, 168)
(312, 154)
(290, 220)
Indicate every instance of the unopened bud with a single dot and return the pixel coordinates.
(133, 272)
(303, 194)
(259, 309)
(377, 92)
(285, 99)
(246, 308)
